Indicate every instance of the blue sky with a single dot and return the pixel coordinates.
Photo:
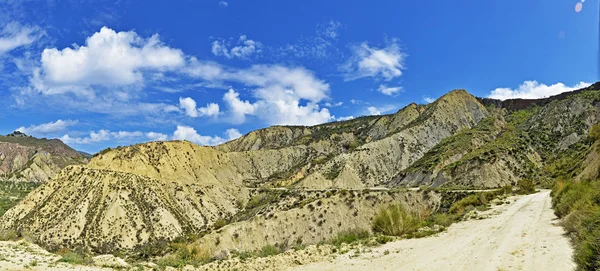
(99, 74)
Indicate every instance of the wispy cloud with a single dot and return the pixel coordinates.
(390, 91)
(15, 35)
(47, 128)
(384, 63)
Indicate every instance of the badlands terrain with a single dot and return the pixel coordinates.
(453, 183)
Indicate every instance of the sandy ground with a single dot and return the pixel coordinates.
(22, 255)
(522, 235)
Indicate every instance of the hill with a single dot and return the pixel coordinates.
(314, 181)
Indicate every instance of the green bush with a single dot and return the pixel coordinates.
(349, 236)
(268, 250)
(526, 186)
(460, 206)
(220, 223)
(395, 221)
(75, 258)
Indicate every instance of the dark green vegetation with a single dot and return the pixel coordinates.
(578, 204)
(11, 193)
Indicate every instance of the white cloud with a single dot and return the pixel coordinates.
(389, 90)
(15, 35)
(378, 110)
(282, 95)
(245, 48)
(106, 135)
(238, 108)
(47, 128)
(157, 136)
(190, 134)
(344, 118)
(233, 133)
(534, 90)
(109, 59)
(366, 61)
(328, 104)
(189, 106)
(211, 109)
(428, 99)
(373, 110)
(223, 4)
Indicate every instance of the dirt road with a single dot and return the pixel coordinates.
(520, 236)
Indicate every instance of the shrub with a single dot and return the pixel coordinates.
(460, 206)
(526, 186)
(268, 250)
(185, 254)
(8, 235)
(75, 258)
(220, 223)
(349, 236)
(395, 221)
(442, 219)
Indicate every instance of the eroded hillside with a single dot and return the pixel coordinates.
(28, 159)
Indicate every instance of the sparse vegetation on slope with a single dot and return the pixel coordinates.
(578, 204)
(11, 193)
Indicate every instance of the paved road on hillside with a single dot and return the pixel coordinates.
(519, 236)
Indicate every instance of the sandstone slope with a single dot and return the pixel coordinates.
(28, 159)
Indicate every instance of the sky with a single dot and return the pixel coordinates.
(100, 74)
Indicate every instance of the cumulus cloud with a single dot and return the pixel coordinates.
(244, 49)
(389, 90)
(223, 4)
(534, 90)
(15, 35)
(238, 108)
(189, 106)
(282, 95)
(108, 59)
(47, 128)
(366, 61)
(190, 134)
